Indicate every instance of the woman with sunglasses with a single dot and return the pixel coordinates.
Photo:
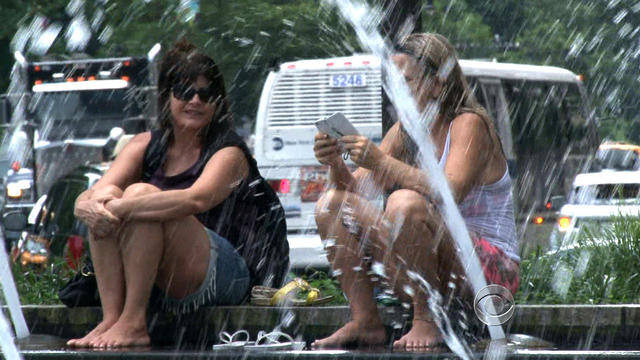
(182, 213)
(408, 239)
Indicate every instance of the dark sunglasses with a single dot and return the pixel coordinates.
(185, 92)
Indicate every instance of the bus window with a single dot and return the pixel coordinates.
(496, 104)
(549, 111)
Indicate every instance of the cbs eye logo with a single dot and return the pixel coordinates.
(494, 305)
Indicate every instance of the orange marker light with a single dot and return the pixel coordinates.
(38, 82)
(538, 220)
(81, 78)
(71, 79)
(125, 78)
(564, 222)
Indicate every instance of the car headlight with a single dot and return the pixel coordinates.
(564, 222)
(17, 190)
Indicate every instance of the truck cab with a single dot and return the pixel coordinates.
(62, 114)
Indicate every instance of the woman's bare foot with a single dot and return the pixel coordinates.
(98, 330)
(424, 335)
(122, 334)
(354, 333)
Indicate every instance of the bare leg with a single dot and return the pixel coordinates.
(107, 262)
(366, 327)
(148, 250)
(420, 244)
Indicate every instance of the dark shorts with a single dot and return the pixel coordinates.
(226, 282)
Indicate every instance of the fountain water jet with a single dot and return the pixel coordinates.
(11, 294)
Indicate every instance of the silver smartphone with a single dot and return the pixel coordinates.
(336, 126)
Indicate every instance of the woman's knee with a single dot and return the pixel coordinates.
(407, 205)
(139, 189)
(109, 190)
(327, 207)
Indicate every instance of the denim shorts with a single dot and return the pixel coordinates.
(226, 282)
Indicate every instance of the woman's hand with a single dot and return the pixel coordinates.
(100, 221)
(327, 150)
(362, 151)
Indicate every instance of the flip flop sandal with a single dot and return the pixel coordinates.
(272, 342)
(266, 296)
(237, 340)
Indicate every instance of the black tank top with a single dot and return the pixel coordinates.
(251, 217)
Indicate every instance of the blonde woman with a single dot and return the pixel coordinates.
(409, 235)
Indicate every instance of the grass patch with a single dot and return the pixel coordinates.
(603, 269)
(40, 285)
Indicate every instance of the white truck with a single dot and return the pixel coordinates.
(64, 113)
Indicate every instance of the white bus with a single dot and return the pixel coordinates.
(541, 113)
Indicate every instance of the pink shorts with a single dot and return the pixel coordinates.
(498, 268)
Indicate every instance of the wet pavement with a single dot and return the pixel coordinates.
(159, 353)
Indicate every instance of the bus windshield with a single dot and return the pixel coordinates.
(83, 114)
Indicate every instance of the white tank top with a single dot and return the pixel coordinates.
(488, 211)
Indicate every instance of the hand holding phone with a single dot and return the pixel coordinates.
(336, 126)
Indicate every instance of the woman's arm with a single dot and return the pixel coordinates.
(371, 161)
(469, 154)
(223, 173)
(89, 205)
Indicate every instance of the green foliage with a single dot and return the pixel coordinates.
(327, 285)
(603, 269)
(40, 286)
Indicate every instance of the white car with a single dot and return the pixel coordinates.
(595, 200)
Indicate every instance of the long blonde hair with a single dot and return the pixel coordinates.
(438, 57)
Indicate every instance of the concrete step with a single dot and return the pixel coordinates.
(159, 354)
(569, 327)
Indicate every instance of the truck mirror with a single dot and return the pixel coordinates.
(5, 114)
(14, 221)
(115, 134)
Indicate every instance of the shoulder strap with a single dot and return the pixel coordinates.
(154, 154)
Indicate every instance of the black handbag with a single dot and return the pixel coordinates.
(82, 289)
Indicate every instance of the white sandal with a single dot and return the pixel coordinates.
(272, 341)
(237, 340)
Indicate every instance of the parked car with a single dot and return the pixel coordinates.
(595, 200)
(52, 230)
(613, 155)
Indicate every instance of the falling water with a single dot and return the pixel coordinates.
(9, 349)
(11, 294)
(361, 16)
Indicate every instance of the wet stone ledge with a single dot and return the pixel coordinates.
(567, 326)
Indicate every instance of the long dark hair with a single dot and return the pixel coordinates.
(183, 63)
